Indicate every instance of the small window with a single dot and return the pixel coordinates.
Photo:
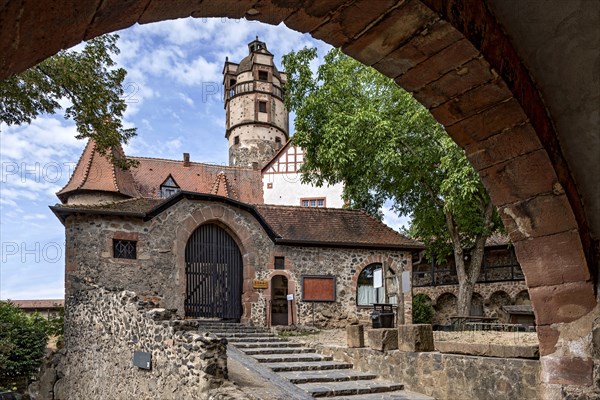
(124, 249)
(263, 76)
(262, 106)
(318, 202)
(236, 140)
(279, 262)
(169, 187)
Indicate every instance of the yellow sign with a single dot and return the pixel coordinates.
(260, 284)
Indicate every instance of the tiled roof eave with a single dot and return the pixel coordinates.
(361, 245)
(63, 212)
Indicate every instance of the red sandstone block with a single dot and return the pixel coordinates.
(520, 178)
(471, 102)
(474, 73)
(487, 123)
(350, 21)
(563, 303)
(113, 15)
(394, 30)
(567, 370)
(437, 65)
(21, 21)
(312, 15)
(158, 10)
(552, 260)
(223, 8)
(422, 46)
(504, 146)
(548, 336)
(270, 12)
(540, 216)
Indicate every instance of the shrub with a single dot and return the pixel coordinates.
(422, 309)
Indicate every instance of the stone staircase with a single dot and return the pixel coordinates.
(315, 374)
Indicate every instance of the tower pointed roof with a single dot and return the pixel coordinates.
(95, 172)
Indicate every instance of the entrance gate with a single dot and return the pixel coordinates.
(213, 270)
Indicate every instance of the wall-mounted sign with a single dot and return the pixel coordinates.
(378, 278)
(290, 297)
(318, 288)
(142, 359)
(260, 284)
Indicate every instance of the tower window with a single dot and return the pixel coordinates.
(236, 140)
(262, 106)
(263, 76)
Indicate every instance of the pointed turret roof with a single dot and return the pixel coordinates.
(95, 172)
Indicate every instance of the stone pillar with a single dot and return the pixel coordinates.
(355, 335)
(383, 339)
(417, 337)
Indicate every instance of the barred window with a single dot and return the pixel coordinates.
(124, 249)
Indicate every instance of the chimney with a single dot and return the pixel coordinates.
(186, 159)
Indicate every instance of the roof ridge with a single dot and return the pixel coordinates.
(324, 209)
(191, 162)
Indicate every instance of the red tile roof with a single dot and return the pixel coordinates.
(96, 172)
(289, 225)
(236, 183)
(333, 226)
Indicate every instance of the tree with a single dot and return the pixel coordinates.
(358, 127)
(88, 79)
(23, 340)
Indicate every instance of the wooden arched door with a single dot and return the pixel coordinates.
(214, 274)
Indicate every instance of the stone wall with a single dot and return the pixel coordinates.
(492, 296)
(448, 376)
(158, 273)
(103, 329)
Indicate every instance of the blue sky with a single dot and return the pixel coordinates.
(174, 97)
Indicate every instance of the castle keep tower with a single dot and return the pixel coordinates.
(256, 118)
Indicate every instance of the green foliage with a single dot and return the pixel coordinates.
(23, 340)
(88, 79)
(422, 310)
(358, 127)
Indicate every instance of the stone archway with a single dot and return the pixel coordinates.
(455, 58)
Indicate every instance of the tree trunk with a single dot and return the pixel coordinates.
(468, 277)
(465, 295)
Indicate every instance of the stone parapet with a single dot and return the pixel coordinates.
(355, 334)
(418, 337)
(383, 339)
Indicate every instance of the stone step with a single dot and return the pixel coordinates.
(256, 345)
(242, 334)
(278, 350)
(395, 395)
(285, 358)
(334, 375)
(261, 339)
(307, 366)
(330, 389)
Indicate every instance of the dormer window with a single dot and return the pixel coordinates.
(169, 187)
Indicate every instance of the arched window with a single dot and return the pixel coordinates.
(366, 294)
